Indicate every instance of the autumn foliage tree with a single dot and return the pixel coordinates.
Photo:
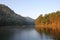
(49, 23)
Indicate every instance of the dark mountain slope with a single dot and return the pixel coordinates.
(29, 21)
(9, 17)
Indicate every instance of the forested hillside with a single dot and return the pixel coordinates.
(49, 23)
(9, 17)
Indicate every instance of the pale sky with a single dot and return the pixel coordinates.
(32, 8)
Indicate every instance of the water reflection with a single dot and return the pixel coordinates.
(23, 34)
(29, 34)
(5, 34)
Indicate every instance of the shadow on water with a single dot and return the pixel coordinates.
(4, 34)
(23, 34)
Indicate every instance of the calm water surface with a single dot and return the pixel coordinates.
(23, 34)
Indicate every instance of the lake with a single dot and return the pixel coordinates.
(23, 34)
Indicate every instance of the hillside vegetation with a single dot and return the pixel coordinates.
(49, 23)
(8, 17)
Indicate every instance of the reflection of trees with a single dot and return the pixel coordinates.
(50, 23)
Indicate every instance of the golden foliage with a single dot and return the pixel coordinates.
(49, 23)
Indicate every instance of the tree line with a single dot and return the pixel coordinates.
(49, 23)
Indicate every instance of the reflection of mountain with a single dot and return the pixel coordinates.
(9, 17)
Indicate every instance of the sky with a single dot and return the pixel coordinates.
(32, 8)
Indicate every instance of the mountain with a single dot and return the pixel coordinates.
(29, 21)
(49, 23)
(9, 17)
